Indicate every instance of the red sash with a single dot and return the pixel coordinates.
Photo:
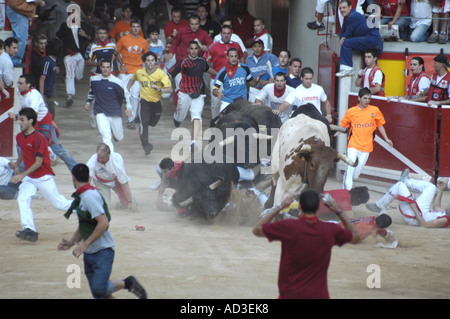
(119, 189)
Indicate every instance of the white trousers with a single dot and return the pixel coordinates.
(186, 103)
(354, 172)
(47, 186)
(215, 101)
(109, 126)
(401, 191)
(74, 70)
(134, 94)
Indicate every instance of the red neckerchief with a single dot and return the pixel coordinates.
(103, 43)
(277, 92)
(27, 91)
(82, 189)
(312, 220)
(260, 34)
(231, 69)
(41, 54)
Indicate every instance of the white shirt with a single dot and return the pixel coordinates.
(234, 38)
(302, 95)
(6, 172)
(377, 78)
(420, 13)
(6, 69)
(34, 100)
(266, 38)
(113, 169)
(267, 97)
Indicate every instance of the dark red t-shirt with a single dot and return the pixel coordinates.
(32, 146)
(305, 255)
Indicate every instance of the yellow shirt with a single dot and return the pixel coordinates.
(158, 77)
(362, 124)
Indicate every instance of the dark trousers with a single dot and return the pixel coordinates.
(149, 113)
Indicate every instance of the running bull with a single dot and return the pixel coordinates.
(302, 154)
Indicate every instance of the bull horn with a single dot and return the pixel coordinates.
(347, 160)
(261, 136)
(187, 202)
(226, 141)
(217, 183)
(303, 148)
(337, 128)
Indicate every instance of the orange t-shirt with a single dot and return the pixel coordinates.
(362, 124)
(121, 29)
(131, 49)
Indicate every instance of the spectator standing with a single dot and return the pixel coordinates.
(294, 77)
(47, 75)
(94, 240)
(320, 10)
(131, 47)
(261, 33)
(304, 257)
(153, 83)
(420, 20)
(37, 57)
(19, 12)
(211, 26)
(356, 34)
(123, 26)
(7, 65)
(75, 42)
(217, 58)
(176, 23)
(440, 9)
(243, 22)
(439, 92)
(260, 63)
(371, 76)
(184, 36)
(109, 93)
(273, 94)
(362, 120)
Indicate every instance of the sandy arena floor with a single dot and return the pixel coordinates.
(189, 258)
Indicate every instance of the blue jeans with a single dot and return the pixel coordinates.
(9, 191)
(57, 148)
(363, 43)
(402, 23)
(419, 33)
(98, 268)
(19, 25)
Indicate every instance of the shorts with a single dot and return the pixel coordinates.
(186, 103)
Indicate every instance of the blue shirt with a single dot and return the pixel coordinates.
(293, 81)
(49, 70)
(108, 93)
(234, 87)
(277, 69)
(258, 66)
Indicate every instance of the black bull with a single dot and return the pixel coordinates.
(205, 188)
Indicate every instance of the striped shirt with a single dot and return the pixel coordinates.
(97, 52)
(191, 74)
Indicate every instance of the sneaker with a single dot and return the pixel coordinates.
(442, 39)
(374, 208)
(69, 101)
(155, 186)
(433, 38)
(27, 234)
(176, 123)
(137, 120)
(344, 73)
(131, 126)
(136, 288)
(404, 176)
(148, 148)
(314, 26)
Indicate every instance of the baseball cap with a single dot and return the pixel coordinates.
(258, 41)
(442, 58)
